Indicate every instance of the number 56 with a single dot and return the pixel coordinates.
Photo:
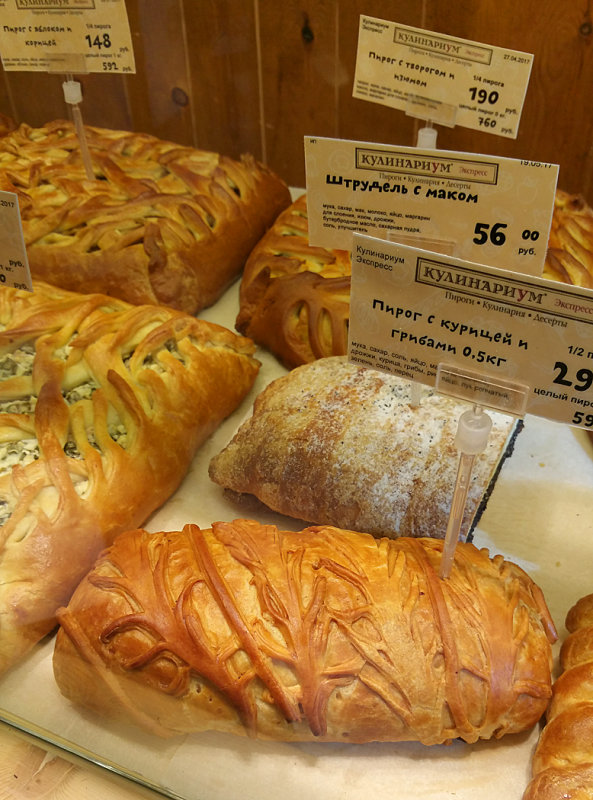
(484, 233)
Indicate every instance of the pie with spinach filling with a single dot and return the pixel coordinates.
(102, 408)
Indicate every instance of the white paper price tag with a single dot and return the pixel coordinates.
(67, 36)
(441, 78)
(411, 310)
(492, 210)
(14, 265)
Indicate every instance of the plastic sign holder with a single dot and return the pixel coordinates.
(472, 435)
(471, 439)
(73, 96)
(67, 64)
(431, 111)
(427, 137)
(498, 393)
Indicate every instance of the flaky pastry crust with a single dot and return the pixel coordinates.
(159, 223)
(323, 634)
(295, 298)
(562, 764)
(102, 407)
(570, 246)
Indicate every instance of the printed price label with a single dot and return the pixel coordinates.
(441, 78)
(491, 210)
(411, 311)
(14, 265)
(76, 36)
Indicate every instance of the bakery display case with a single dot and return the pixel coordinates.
(537, 516)
(197, 159)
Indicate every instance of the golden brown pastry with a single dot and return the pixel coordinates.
(570, 247)
(160, 223)
(102, 407)
(322, 634)
(295, 298)
(338, 444)
(563, 761)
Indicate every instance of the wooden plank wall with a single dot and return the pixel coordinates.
(257, 75)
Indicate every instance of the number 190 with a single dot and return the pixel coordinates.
(482, 96)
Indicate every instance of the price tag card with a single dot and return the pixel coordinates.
(492, 210)
(65, 36)
(412, 310)
(441, 78)
(14, 265)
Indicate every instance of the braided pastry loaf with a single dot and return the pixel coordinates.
(102, 407)
(294, 298)
(159, 223)
(323, 634)
(563, 760)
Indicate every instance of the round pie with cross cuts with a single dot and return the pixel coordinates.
(102, 408)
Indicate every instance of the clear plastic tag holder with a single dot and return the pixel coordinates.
(500, 394)
(431, 111)
(70, 64)
(426, 140)
(446, 247)
(472, 434)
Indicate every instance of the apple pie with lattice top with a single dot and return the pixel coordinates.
(159, 223)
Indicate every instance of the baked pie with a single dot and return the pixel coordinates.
(294, 298)
(335, 443)
(316, 635)
(159, 223)
(570, 246)
(562, 763)
(102, 408)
